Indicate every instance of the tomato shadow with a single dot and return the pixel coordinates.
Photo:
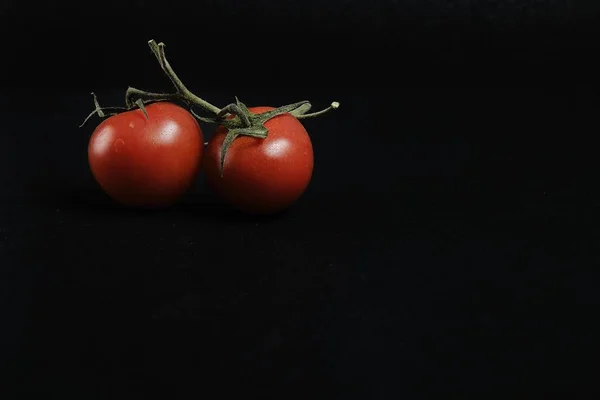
(207, 206)
(198, 205)
(92, 201)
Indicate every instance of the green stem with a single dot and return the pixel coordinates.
(138, 94)
(183, 93)
(99, 111)
(333, 106)
(235, 109)
(245, 123)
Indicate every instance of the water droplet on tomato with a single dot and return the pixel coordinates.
(168, 133)
(118, 145)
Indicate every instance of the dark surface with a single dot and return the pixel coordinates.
(447, 243)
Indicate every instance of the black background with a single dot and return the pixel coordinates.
(447, 244)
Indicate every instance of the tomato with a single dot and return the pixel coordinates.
(147, 162)
(261, 176)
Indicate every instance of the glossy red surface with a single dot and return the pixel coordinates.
(147, 162)
(262, 175)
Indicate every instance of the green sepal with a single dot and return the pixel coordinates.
(257, 131)
(99, 111)
(243, 107)
(303, 109)
(140, 104)
(237, 111)
(97, 106)
(229, 138)
(264, 117)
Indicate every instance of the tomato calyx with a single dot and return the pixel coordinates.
(246, 123)
(100, 111)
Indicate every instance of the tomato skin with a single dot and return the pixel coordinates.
(262, 176)
(147, 163)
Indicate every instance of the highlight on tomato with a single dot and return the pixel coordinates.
(260, 160)
(262, 164)
(147, 158)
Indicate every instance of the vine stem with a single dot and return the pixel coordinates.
(243, 122)
(182, 92)
(333, 106)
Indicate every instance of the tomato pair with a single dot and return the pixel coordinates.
(150, 157)
(260, 159)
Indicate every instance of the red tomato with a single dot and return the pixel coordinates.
(147, 162)
(262, 175)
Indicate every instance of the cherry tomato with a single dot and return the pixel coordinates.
(147, 162)
(262, 176)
